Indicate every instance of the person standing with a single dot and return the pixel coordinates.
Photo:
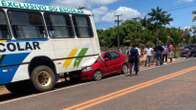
(134, 60)
(171, 52)
(159, 49)
(165, 54)
(149, 55)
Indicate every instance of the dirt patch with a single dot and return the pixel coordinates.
(3, 90)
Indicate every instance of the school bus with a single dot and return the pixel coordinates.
(40, 43)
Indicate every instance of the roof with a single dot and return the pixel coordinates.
(17, 5)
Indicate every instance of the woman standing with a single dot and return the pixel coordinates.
(171, 52)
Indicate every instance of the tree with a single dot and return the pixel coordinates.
(176, 36)
(107, 37)
(149, 30)
(157, 21)
(159, 18)
(193, 40)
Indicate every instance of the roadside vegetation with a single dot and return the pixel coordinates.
(152, 29)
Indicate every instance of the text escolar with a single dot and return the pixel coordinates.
(17, 46)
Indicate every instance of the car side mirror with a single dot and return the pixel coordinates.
(106, 59)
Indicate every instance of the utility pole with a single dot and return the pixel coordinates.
(118, 25)
(194, 19)
(194, 15)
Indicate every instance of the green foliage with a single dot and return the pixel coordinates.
(193, 40)
(159, 18)
(147, 31)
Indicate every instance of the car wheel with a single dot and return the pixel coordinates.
(189, 54)
(194, 54)
(125, 69)
(97, 76)
(43, 78)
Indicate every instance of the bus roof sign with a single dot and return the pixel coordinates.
(11, 4)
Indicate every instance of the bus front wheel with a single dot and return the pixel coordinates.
(43, 78)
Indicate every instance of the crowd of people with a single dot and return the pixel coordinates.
(157, 55)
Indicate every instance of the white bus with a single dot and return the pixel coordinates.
(39, 43)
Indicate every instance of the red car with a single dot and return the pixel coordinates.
(110, 63)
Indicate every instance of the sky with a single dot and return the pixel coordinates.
(105, 10)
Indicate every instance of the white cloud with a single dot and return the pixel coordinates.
(185, 0)
(20, 0)
(99, 13)
(79, 3)
(103, 1)
(71, 3)
(103, 13)
(125, 12)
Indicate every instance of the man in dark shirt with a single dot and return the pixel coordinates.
(134, 60)
(159, 50)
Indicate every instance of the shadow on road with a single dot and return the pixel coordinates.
(10, 96)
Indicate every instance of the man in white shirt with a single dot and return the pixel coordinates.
(149, 55)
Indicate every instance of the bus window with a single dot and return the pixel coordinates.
(4, 32)
(59, 25)
(26, 24)
(82, 26)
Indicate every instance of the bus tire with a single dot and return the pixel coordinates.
(43, 78)
(21, 87)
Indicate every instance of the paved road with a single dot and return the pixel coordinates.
(176, 93)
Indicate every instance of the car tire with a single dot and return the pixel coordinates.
(194, 54)
(22, 87)
(43, 78)
(97, 76)
(189, 54)
(125, 69)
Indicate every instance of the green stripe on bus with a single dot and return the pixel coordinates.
(82, 52)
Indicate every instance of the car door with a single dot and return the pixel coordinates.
(111, 61)
(107, 66)
(115, 62)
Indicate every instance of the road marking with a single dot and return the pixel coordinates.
(111, 96)
(78, 85)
